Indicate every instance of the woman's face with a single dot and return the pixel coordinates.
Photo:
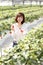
(20, 19)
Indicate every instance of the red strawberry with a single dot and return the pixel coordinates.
(13, 26)
(21, 30)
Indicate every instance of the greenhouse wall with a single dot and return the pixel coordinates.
(12, 2)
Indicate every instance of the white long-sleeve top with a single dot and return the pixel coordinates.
(18, 33)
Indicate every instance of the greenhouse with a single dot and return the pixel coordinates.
(21, 32)
(13, 2)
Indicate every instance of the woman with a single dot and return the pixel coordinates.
(16, 28)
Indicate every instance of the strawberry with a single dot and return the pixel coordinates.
(13, 26)
(10, 32)
(21, 30)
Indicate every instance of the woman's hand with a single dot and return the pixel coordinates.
(21, 30)
(12, 27)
